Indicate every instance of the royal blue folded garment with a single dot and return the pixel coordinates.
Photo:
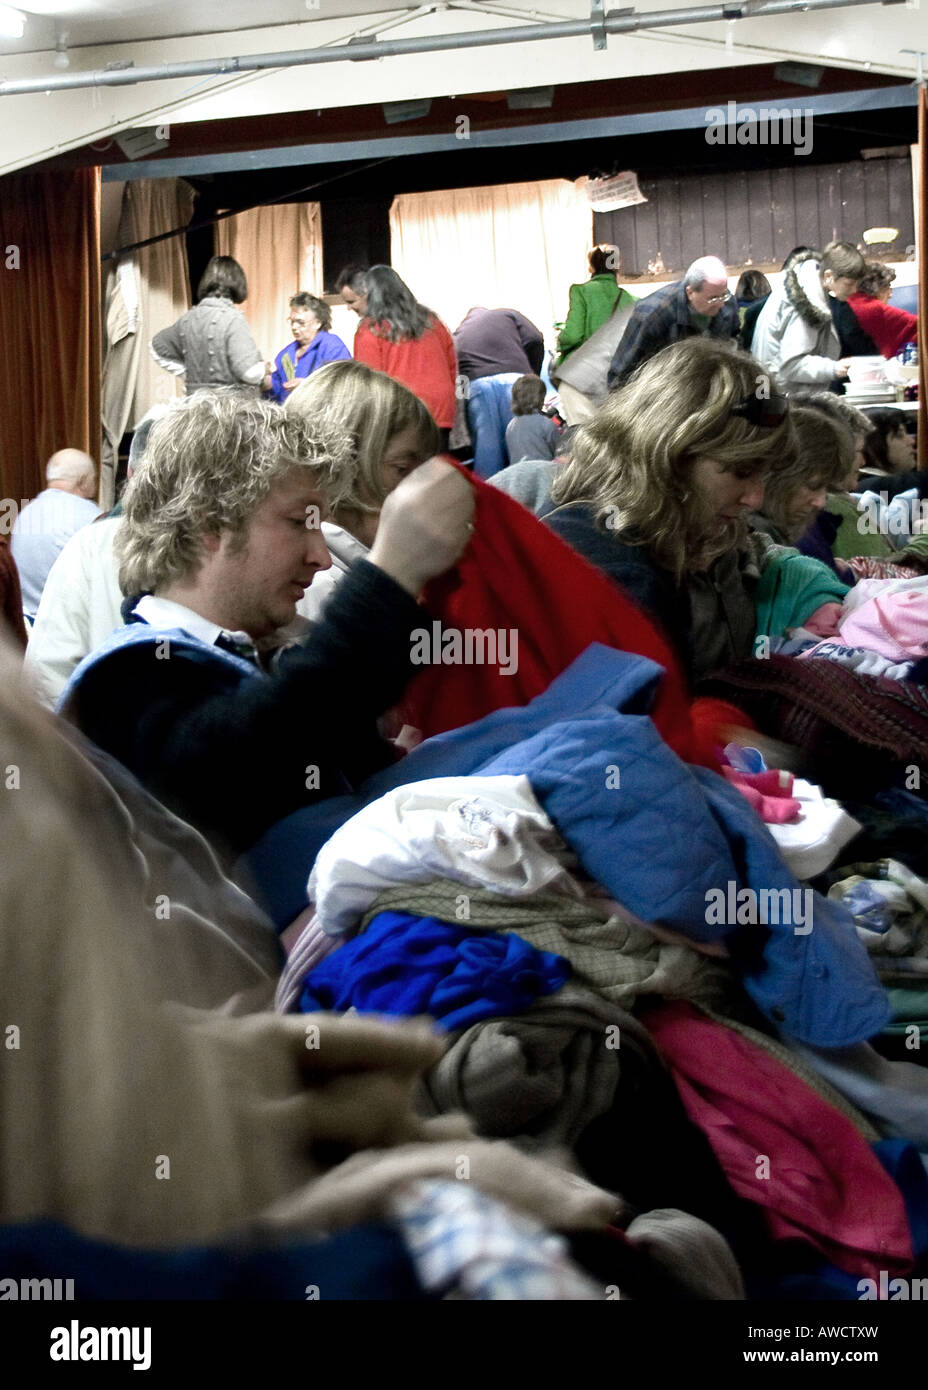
(417, 965)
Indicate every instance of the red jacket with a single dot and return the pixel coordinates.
(516, 574)
(427, 365)
(889, 328)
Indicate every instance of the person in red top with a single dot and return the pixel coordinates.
(890, 328)
(401, 337)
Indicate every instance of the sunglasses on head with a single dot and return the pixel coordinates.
(765, 412)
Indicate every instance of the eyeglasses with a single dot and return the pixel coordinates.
(721, 298)
(764, 411)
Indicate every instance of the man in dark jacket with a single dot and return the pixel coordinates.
(700, 303)
(492, 341)
(221, 537)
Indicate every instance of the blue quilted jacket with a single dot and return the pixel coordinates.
(655, 832)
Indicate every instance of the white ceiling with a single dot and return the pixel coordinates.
(870, 37)
(100, 22)
(132, 21)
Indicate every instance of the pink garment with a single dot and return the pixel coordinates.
(310, 948)
(767, 792)
(893, 625)
(783, 1147)
(825, 621)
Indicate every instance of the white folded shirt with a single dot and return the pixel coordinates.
(485, 832)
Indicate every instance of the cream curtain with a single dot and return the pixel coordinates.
(120, 366)
(280, 250)
(155, 206)
(513, 246)
(145, 292)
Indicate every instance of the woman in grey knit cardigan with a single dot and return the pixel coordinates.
(211, 345)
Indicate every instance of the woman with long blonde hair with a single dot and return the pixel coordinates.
(659, 486)
(391, 433)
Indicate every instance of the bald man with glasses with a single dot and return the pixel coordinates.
(699, 304)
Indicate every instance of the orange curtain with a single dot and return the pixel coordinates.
(280, 250)
(921, 251)
(49, 322)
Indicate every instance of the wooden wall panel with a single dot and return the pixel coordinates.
(670, 241)
(714, 233)
(756, 217)
(736, 233)
(760, 217)
(691, 223)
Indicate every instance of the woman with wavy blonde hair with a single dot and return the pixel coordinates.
(659, 486)
(797, 494)
(391, 433)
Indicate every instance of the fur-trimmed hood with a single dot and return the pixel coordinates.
(804, 289)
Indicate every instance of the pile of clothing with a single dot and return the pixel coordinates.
(522, 890)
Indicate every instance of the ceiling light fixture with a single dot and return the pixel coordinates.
(530, 99)
(799, 74)
(61, 59)
(12, 22)
(138, 142)
(397, 112)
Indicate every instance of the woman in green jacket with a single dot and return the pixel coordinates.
(592, 303)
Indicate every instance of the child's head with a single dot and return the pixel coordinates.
(890, 448)
(528, 395)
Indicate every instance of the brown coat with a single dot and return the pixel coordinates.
(11, 597)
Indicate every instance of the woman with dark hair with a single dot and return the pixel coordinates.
(835, 535)
(751, 293)
(889, 455)
(753, 285)
(796, 494)
(659, 498)
(313, 345)
(211, 345)
(409, 342)
(592, 303)
(890, 328)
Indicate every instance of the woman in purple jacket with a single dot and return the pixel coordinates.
(312, 347)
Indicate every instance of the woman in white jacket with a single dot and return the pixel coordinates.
(795, 338)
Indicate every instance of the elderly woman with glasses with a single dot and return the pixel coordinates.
(659, 488)
(312, 347)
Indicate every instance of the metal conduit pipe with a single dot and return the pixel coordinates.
(615, 22)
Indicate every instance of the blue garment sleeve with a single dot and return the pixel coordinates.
(333, 350)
